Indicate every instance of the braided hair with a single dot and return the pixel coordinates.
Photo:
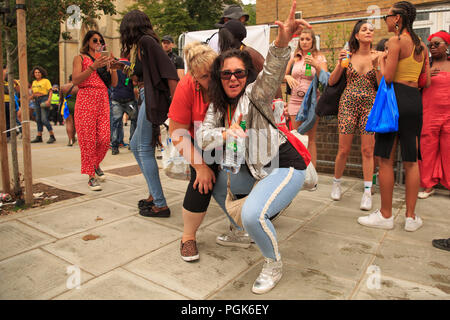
(408, 13)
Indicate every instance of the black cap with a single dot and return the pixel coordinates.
(233, 11)
(167, 38)
(236, 28)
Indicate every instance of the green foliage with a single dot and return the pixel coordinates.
(337, 35)
(43, 21)
(251, 10)
(175, 17)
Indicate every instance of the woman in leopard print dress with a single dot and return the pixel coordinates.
(355, 105)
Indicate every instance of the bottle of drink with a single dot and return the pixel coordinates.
(234, 153)
(308, 68)
(346, 61)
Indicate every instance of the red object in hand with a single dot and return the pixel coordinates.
(97, 55)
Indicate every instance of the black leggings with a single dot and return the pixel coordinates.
(194, 201)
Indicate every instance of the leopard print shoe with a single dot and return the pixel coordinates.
(189, 251)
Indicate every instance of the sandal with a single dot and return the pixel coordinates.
(443, 244)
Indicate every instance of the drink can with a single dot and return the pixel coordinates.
(5, 197)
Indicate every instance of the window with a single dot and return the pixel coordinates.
(423, 16)
(423, 33)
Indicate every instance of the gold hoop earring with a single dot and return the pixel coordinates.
(197, 86)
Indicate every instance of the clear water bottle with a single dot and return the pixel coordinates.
(234, 153)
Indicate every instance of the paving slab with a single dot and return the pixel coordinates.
(137, 181)
(108, 188)
(304, 208)
(118, 243)
(343, 221)
(175, 220)
(35, 275)
(43, 208)
(66, 180)
(436, 207)
(64, 222)
(197, 280)
(296, 284)
(120, 284)
(396, 289)
(431, 229)
(330, 254)
(16, 237)
(425, 265)
(132, 197)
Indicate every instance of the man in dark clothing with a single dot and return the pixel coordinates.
(122, 100)
(231, 12)
(167, 45)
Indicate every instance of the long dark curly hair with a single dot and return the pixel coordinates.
(353, 43)
(134, 25)
(41, 70)
(216, 92)
(407, 11)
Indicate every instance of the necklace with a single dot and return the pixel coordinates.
(230, 115)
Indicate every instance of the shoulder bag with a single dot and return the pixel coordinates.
(328, 104)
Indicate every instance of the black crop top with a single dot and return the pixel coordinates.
(138, 70)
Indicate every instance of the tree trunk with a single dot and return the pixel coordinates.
(17, 190)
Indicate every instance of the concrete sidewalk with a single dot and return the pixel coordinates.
(326, 253)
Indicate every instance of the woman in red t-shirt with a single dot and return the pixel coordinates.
(188, 108)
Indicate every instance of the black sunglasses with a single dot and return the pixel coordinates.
(95, 40)
(434, 43)
(389, 15)
(239, 74)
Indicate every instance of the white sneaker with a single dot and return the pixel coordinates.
(268, 278)
(336, 191)
(413, 224)
(424, 194)
(366, 201)
(376, 220)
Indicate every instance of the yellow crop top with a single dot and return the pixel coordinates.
(408, 69)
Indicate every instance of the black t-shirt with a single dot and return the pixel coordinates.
(289, 157)
(177, 60)
(138, 70)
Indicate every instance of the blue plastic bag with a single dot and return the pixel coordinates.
(383, 117)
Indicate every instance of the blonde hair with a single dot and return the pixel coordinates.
(198, 56)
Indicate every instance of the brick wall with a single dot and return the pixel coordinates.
(315, 10)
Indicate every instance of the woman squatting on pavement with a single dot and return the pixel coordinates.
(232, 100)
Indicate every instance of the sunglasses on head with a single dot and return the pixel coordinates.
(239, 74)
(434, 43)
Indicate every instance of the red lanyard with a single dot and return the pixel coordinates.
(230, 116)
